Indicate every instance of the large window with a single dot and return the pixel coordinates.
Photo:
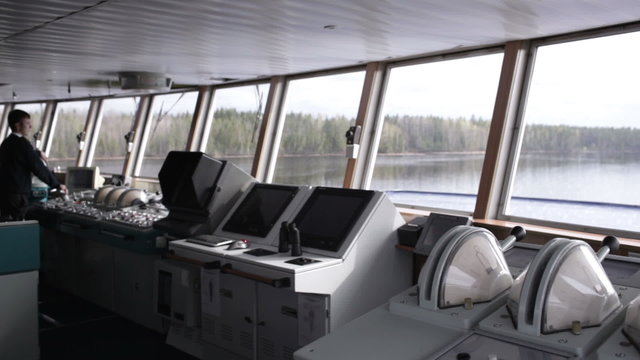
(319, 111)
(36, 110)
(579, 161)
(436, 124)
(117, 120)
(170, 123)
(71, 116)
(236, 124)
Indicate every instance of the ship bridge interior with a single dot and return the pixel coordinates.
(55, 55)
(338, 142)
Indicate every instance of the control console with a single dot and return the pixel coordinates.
(82, 208)
(141, 216)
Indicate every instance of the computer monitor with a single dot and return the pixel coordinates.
(328, 216)
(188, 181)
(83, 178)
(198, 191)
(260, 209)
(258, 214)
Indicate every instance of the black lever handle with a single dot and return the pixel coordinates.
(609, 244)
(294, 239)
(518, 232)
(612, 242)
(283, 241)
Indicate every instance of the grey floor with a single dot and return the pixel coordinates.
(71, 328)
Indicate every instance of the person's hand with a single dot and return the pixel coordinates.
(43, 156)
(63, 189)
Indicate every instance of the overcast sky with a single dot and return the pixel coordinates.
(594, 82)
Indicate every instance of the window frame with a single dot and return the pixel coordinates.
(97, 124)
(282, 108)
(147, 126)
(379, 118)
(4, 124)
(45, 119)
(518, 134)
(209, 112)
(54, 125)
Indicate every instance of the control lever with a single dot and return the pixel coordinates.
(283, 241)
(294, 239)
(517, 234)
(609, 243)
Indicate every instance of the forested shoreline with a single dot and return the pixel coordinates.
(235, 133)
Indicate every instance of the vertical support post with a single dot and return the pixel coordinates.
(360, 170)
(142, 134)
(141, 120)
(270, 131)
(48, 125)
(91, 132)
(4, 124)
(202, 120)
(499, 144)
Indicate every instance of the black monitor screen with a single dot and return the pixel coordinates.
(328, 216)
(188, 180)
(260, 209)
(80, 178)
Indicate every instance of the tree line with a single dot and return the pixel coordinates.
(235, 133)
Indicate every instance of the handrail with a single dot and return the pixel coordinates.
(173, 256)
(276, 283)
(284, 282)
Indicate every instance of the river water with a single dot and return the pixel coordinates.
(557, 187)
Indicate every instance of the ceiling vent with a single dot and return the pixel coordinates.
(137, 80)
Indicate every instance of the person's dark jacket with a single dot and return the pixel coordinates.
(18, 160)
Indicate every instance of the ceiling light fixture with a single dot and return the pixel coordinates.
(141, 80)
(221, 79)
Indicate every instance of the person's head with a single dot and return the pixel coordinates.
(20, 122)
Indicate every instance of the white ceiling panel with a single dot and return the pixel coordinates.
(75, 48)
